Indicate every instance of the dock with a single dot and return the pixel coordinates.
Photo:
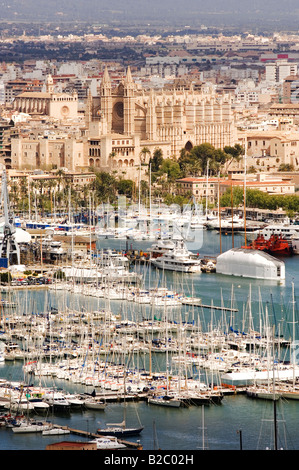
(198, 303)
(91, 435)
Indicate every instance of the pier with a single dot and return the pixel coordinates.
(198, 303)
(88, 434)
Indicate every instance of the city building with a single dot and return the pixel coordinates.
(13, 88)
(55, 105)
(202, 187)
(279, 70)
(49, 152)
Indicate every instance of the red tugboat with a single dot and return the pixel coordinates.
(276, 245)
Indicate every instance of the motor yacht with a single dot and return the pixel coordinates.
(179, 259)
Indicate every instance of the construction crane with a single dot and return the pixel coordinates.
(9, 248)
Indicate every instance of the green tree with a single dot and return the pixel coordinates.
(232, 194)
(143, 154)
(286, 167)
(200, 158)
(171, 168)
(105, 186)
(234, 153)
(156, 160)
(126, 187)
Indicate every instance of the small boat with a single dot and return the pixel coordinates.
(119, 430)
(75, 401)
(39, 405)
(55, 431)
(31, 426)
(20, 406)
(165, 401)
(58, 401)
(94, 404)
(208, 266)
(108, 443)
(263, 393)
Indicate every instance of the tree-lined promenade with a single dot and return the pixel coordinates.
(260, 200)
(159, 181)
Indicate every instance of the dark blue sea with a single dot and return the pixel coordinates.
(239, 421)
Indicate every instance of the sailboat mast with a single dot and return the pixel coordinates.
(245, 193)
(207, 190)
(274, 397)
(232, 212)
(219, 213)
(293, 339)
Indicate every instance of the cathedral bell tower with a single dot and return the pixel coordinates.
(49, 84)
(106, 100)
(129, 104)
(151, 118)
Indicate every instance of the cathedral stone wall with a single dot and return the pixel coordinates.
(172, 119)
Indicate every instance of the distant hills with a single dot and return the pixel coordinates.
(273, 14)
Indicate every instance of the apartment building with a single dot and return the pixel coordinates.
(202, 188)
(48, 152)
(278, 71)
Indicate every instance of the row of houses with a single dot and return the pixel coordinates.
(202, 188)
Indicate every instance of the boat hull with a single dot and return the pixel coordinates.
(172, 403)
(119, 432)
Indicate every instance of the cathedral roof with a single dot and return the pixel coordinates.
(41, 94)
(34, 94)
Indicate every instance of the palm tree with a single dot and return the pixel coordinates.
(143, 153)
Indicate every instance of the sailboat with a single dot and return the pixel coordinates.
(169, 399)
(165, 400)
(120, 429)
(292, 391)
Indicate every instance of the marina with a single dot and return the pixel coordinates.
(187, 327)
(126, 362)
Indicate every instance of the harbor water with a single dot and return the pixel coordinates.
(238, 420)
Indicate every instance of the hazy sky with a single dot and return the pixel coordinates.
(218, 12)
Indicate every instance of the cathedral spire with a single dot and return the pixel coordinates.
(106, 78)
(129, 76)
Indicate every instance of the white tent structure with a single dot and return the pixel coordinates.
(250, 263)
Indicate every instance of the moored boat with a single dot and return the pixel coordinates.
(172, 402)
(178, 259)
(108, 443)
(120, 430)
(275, 245)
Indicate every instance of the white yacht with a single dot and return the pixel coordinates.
(57, 400)
(295, 243)
(160, 247)
(52, 247)
(31, 427)
(178, 259)
(285, 230)
(108, 443)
